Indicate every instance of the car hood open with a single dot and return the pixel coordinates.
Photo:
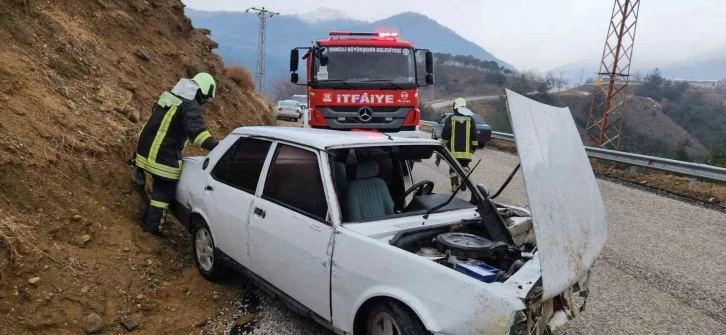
(568, 214)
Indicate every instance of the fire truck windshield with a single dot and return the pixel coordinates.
(366, 67)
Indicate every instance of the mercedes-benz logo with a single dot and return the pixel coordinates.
(365, 114)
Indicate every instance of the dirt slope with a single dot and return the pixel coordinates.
(77, 81)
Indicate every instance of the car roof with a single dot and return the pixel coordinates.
(325, 138)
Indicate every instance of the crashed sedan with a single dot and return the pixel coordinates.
(338, 226)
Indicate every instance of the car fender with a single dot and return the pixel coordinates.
(410, 300)
(445, 300)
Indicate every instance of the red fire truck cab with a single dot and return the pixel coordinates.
(363, 81)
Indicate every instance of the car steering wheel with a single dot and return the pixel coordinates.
(424, 187)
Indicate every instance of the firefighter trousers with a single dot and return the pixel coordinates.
(455, 177)
(162, 194)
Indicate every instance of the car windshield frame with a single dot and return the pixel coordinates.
(440, 150)
(374, 80)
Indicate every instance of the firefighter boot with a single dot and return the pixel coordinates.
(454, 181)
(155, 218)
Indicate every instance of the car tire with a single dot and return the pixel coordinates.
(393, 318)
(481, 145)
(203, 252)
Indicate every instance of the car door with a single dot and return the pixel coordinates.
(290, 229)
(230, 193)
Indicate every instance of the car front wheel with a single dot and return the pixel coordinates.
(390, 317)
(204, 256)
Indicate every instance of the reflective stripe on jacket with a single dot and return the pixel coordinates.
(173, 122)
(459, 136)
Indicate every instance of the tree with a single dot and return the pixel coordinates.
(496, 78)
(658, 88)
(282, 89)
(681, 153)
(520, 84)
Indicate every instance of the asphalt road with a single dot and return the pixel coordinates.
(662, 270)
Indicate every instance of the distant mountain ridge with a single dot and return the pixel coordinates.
(236, 33)
(319, 15)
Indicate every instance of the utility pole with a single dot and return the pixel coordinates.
(605, 122)
(263, 14)
(560, 83)
(582, 73)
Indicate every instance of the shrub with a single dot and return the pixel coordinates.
(240, 76)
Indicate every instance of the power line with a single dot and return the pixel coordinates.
(263, 14)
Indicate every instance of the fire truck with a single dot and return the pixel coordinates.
(363, 81)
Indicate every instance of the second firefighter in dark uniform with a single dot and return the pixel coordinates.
(460, 137)
(175, 120)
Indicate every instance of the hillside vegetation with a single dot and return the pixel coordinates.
(702, 112)
(78, 80)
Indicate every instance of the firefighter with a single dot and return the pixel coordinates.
(176, 119)
(459, 136)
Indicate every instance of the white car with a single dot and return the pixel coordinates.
(288, 109)
(326, 221)
(302, 99)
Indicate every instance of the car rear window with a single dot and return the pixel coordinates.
(294, 182)
(288, 104)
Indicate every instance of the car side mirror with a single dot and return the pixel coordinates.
(483, 189)
(293, 77)
(294, 58)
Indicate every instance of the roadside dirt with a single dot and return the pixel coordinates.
(77, 82)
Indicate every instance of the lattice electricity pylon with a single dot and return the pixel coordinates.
(263, 14)
(605, 122)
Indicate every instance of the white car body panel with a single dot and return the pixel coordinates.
(292, 251)
(569, 225)
(446, 301)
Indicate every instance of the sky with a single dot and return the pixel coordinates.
(540, 34)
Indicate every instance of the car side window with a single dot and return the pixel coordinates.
(219, 172)
(294, 181)
(241, 165)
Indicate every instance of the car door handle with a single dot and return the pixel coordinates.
(208, 188)
(259, 212)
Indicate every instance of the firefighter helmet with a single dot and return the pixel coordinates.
(206, 84)
(459, 102)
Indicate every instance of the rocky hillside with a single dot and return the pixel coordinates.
(77, 81)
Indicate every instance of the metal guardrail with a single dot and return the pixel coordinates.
(663, 164)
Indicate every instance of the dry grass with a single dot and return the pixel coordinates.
(240, 76)
(14, 236)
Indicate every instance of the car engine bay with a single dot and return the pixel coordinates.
(466, 247)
